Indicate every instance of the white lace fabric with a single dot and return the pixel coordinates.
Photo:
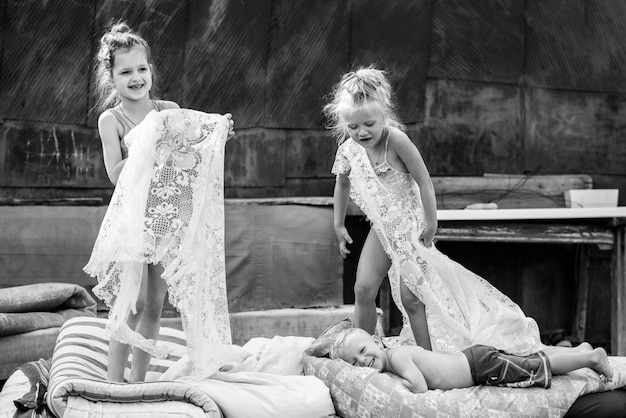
(462, 308)
(168, 209)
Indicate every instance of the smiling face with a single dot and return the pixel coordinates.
(362, 351)
(132, 74)
(365, 125)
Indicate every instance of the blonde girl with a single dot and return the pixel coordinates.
(445, 307)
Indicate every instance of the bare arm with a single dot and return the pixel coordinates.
(111, 147)
(404, 367)
(340, 207)
(410, 156)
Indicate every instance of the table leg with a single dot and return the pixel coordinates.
(582, 298)
(618, 302)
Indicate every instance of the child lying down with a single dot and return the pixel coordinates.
(420, 370)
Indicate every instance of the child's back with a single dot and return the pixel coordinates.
(440, 370)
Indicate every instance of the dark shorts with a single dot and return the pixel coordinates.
(493, 367)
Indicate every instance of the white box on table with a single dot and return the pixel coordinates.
(591, 198)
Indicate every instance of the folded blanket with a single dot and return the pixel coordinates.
(43, 305)
(263, 379)
(266, 395)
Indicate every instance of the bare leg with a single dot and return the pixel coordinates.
(118, 351)
(566, 362)
(582, 347)
(118, 355)
(416, 312)
(150, 321)
(372, 268)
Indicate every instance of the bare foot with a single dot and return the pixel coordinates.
(600, 363)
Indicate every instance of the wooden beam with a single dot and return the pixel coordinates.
(527, 233)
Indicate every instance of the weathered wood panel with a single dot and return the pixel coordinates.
(507, 191)
(576, 44)
(471, 128)
(4, 16)
(50, 155)
(478, 40)
(395, 36)
(598, 320)
(270, 63)
(308, 51)
(225, 59)
(255, 158)
(548, 289)
(575, 132)
(45, 61)
(309, 154)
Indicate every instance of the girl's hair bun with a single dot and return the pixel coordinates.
(120, 27)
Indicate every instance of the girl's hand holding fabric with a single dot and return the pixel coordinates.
(344, 238)
(428, 234)
(231, 126)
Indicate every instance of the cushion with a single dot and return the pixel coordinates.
(363, 392)
(322, 344)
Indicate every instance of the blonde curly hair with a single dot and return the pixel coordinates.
(366, 87)
(345, 338)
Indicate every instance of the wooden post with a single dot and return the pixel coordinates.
(582, 297)
(618, 302)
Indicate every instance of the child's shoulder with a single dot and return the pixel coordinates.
(397, 135)
(107, 118)
(166, 104)
(400, 351)
(397, 356)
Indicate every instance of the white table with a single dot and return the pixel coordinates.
(604, 227)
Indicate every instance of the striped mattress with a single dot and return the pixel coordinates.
(78, 377)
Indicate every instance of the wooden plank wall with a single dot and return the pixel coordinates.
(496, 86)
(490, 86)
